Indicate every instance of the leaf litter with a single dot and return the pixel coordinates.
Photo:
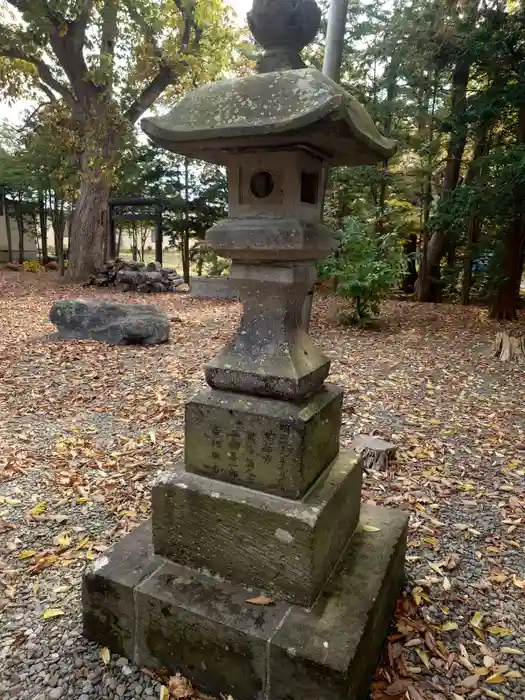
(87, 427)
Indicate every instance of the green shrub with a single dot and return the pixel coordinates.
(367, 267)
(214, 266)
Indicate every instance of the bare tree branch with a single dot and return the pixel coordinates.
(108, 39)
(147, 30)
(189, 24)
(25, 5)
(83, 19)
(47, 91)
(167, 72)
(43, 70)
(150, 93)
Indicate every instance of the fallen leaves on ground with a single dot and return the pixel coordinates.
(93, 424)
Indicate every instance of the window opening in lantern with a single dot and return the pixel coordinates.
(309, 187)
(262, 184)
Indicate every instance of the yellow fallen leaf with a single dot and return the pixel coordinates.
(496, 678)
(491, 694)
(371, 528)
(481, 671)
(64, 540)
(83, 542)
(39, 508)
(105, 655)
(423, 656)
(260, 600)
(82, 499)
(431, 540)
(513, 674)
(518, 582)
(511, 650)
(12, 501)
(52, 612)
(26, 554)
(476, 619)
(164, 693)
(448, 626)
(499, 631)
(416, 595)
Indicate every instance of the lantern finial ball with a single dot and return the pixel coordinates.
(283, 28)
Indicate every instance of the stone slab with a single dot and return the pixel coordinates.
(108, 590)
(204, 627)
(212, 288)
(275, 446)
(284, 546)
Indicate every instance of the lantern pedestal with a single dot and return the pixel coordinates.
(160, 614)
(258, 576)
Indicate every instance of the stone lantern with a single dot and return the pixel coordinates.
(257, 575)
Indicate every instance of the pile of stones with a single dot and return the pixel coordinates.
(137, 277)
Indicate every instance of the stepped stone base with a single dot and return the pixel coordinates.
(283, 546)
(163, 615)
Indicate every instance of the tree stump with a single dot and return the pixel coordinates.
(375, 451)
(509, 347)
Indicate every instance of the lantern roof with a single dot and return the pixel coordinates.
(278, 110)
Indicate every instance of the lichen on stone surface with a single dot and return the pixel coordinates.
(281, 96)
(270, 104)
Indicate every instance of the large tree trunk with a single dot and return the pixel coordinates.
(87, 243)
(474, 228)
(7, 227)
(42, 213)
(430, 289)
(425, 125)
(391, 91)
(19, 216)
(88, 230)
(410, 277)
(507, 296)
(185, 243)
(475, 222)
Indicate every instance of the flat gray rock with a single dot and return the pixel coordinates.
(110, 322)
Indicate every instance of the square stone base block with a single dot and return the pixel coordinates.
(162, 615)
(278, 447)
(284, 546)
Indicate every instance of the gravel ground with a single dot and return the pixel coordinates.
(86, 428)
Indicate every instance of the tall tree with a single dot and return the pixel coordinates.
(455, 48)
(109, 61)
